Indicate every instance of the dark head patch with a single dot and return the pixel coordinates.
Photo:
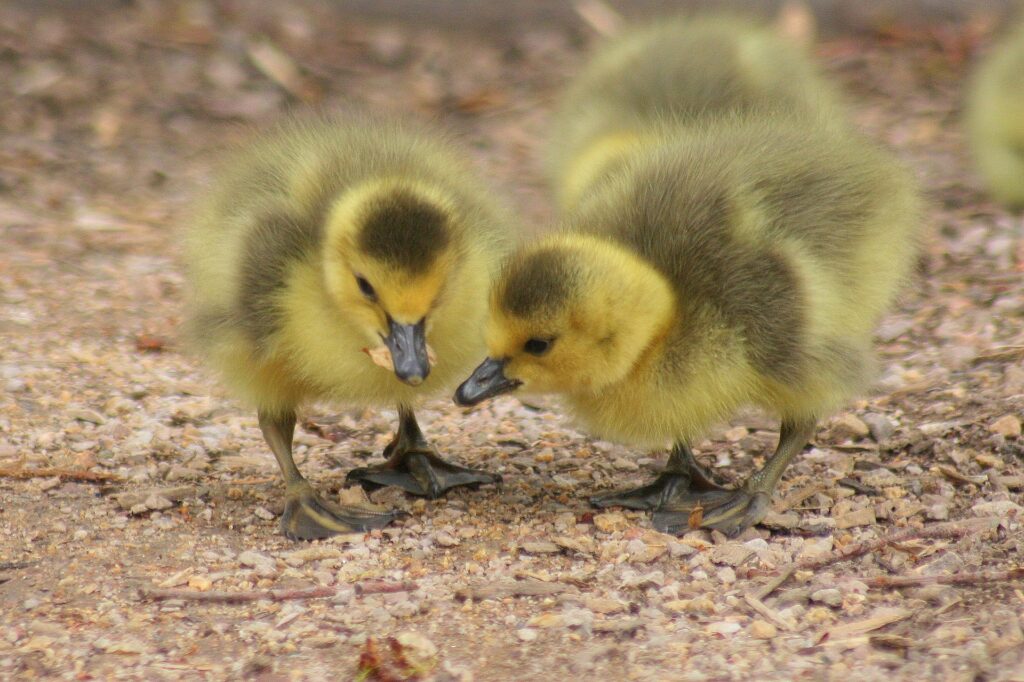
(536, 283)
(405, 231)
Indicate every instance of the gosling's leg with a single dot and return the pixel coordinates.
(306, 515)
(415, 467)
(682, 473)
(733, 511)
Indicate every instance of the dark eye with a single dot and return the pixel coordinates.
(366, 288)
(538, 346)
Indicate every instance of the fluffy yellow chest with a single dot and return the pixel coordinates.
(659, 405)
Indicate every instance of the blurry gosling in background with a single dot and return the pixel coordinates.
(682, 71)
(995, 119)
(327, 238)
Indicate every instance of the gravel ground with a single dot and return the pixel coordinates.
(138, 503)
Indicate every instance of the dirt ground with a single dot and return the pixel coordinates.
(132, 488)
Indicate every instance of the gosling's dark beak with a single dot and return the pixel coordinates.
(408, 346)
(487, 381)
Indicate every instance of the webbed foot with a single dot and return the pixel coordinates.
(650, 496)
(684, 497)
(682, 475)
(728, 511)
(415, 467)
(307, 516)
(420, 472)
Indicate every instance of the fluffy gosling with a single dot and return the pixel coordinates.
(682, 71)
(995, 119)
(745, 261)
(327, 238)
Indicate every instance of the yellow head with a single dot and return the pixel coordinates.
(389, 249)
(573, 314)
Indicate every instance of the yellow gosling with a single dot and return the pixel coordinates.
(323, 240)
(995, 119)
(678, 72)
(741, 261)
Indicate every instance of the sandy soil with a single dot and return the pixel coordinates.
(125, 472)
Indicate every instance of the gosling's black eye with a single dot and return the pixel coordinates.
(366, 288)
(538, 346)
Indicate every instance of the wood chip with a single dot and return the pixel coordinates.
(954, 475)
(884, 616)
(858, 517)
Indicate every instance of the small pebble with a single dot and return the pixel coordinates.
(609, 522)
(1007, 426)
(526, 634)
(828, 596)
(263, 513)
(727, 627)
(762, 629)
(880, 427)
(849, 426)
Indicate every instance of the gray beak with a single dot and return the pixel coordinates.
(408, 346)
(487, 381)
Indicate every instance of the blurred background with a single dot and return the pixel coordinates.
(105, 99)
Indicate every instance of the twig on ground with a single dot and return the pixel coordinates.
(945, 531)
(245, 596)
(15, 565)
(22, 473)
(241, 597)
(964, 578)
(881, 618)
(259, 480)
(1000, 353)
(774, 583)
(797, 496)
(769, 613)
(383, 587)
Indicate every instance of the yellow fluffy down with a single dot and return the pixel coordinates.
(995, 119)
(306, 337)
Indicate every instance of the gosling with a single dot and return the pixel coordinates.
(995, 119)
(328, 242)
(679, 72)
(741, 261)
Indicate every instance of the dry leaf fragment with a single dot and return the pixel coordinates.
(696, 517)
(381, 356)
(282, 69)
(147, 343)
(600, 16)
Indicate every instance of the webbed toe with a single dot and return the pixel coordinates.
(646, 497)
(728, 511)
(420, 472)
(309, 517)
